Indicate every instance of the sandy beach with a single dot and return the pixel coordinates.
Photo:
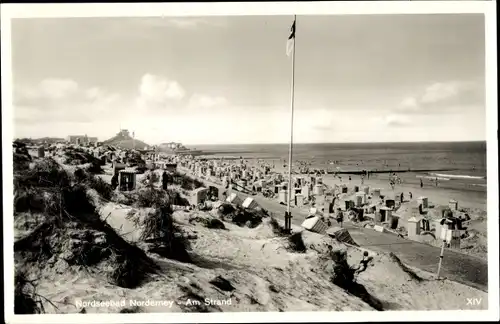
(236, 266)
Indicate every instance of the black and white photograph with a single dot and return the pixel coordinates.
(258, 161)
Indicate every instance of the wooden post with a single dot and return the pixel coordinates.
(441, 256)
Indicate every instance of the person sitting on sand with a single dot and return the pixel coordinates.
(363, 264)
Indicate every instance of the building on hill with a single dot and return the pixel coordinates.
(124, 140)
(81, 139)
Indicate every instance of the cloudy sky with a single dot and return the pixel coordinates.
(213, 80)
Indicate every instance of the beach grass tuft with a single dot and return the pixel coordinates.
(296, 243)
(72, 230)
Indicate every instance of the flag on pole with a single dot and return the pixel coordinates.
(291, 40)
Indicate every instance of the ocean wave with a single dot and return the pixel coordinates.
(433, 178)
(458, 176)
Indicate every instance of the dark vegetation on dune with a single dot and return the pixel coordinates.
(241, 216)
(26, 300)
(158, 226)
(152, 197)
(21, 156)
(78, 156)
(296, 243)
(186, 182)
(277, 228)
(71, 231)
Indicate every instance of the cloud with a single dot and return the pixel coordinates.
(62, 100)
(206, 102)
(158, 89)
(441, 97)
(394, 120)
(409, 104)
(439, 92)
(159, 93)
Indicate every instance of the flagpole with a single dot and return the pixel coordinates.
(290, 153)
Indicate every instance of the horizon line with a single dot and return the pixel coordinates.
(299, 143)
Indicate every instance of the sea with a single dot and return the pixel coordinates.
(463, 162)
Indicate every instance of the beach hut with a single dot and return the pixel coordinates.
(306, 192)
(213, 192)
(282, 196)
(127, 180)
(371, 209)
(328, 205)
(198, 196)
(455, 239)
(314, 224)
(360, 213)
(393, 221)
(413, 228)
(356, 188)
(318, 190)
(250, 203)
(349, 204)
(389, 203)
(344, 189)
(385, 213)
(376, 192)
(117, 167)
(258, 186)
(299, 200)
(424, 201)
(40, 152)
(360, 199)
(233, 198)
(453, 204)
(366, 190)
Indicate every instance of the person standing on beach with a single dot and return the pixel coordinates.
(436, 181)
(421, 183)
(340, 217)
